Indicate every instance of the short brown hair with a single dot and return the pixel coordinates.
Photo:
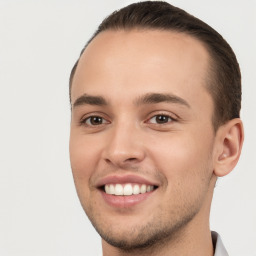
(225, 78)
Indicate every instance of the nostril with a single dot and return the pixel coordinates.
(131, 159)
(108, 161)
(123, 163)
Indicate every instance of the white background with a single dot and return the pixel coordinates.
(39, 43)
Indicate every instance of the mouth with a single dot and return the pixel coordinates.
(126, 191)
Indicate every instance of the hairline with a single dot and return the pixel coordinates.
(211, 71)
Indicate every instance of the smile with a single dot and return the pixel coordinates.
(127, 189)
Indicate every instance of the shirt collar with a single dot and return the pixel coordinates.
(218, 244)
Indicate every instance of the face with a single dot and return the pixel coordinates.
(142, 138)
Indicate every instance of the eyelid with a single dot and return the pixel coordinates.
(163, 113)
(85, 117)
(168, 121)
(104, 121)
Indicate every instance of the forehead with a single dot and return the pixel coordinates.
(139, 61)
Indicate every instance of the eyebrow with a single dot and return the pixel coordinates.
(149, 98)
(86, 99)
(153, 98)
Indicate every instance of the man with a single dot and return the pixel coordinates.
(155, 97)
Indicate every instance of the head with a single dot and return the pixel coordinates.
(155, 99)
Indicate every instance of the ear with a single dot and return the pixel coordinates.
(230, 137)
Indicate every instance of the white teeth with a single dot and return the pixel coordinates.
(111, 189)
(136, 189)
(127, 189)
(150, 188)
(107, 189)
(143, 189)
(119, 191)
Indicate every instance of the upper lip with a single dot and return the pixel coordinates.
(122, 179)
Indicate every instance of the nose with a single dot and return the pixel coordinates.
(124, 147)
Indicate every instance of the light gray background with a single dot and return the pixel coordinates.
(40, 40)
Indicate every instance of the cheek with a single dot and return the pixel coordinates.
(83, 158)
(185, 164)
(181, 157)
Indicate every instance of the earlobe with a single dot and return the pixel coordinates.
(230, 138)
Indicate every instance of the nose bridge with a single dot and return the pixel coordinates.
(124, 143)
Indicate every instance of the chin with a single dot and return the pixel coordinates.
(133, 241)
(139, 236)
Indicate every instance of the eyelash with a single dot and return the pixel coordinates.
(104, 121)
(163, 115)
(84, 121)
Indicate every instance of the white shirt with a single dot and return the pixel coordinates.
(219, 247)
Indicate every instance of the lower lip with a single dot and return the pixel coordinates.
(125, 201)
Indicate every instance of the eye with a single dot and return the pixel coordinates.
(160, 119)
(94, 121)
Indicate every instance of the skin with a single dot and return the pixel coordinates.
(183, 155)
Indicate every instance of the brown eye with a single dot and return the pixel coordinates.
(160, 119)
(94, 120)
